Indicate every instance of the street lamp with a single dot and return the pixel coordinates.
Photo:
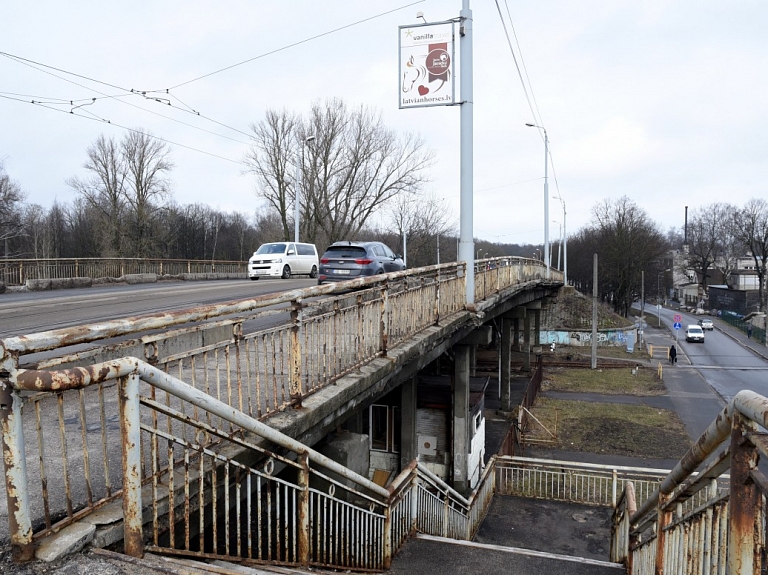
(546, 194)
(299, 166)
(658, 292)
(565, 243)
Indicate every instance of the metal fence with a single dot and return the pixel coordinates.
(18, 271)
(758, 333)
(704, 522)
(256, 356)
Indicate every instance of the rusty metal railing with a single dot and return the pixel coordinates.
(705, 521)
(177, 447)
(492, 275)
(258, 356)
(18, 271)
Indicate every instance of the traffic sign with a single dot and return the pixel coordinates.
(678, 318)
(677, 325)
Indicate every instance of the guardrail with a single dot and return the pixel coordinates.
(705, 521)
(17, 272)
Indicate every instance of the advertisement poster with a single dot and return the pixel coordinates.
(426, 65)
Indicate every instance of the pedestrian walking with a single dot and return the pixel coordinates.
(672, 354)
(749, 330)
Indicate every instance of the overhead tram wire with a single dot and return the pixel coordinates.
(33, 64)
(294, 44)
(94, 118)
(525, 68)
(514, 58)
(126, 93)
(535, 113)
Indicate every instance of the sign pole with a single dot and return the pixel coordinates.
(466, 242)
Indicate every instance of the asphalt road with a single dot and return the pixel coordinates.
(25, 313)
(725, 360)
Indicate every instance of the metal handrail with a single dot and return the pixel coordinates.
(728, 524)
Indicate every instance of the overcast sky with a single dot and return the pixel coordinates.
(662, 101)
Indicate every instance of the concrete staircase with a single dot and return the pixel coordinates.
(427, 555)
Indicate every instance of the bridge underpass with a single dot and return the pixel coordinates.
(304, 378)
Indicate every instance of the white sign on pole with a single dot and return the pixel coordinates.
(426, 65)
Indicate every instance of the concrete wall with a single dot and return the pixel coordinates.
(607, 337)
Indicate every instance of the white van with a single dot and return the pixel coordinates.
(283, 259)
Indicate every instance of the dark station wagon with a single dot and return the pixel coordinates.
(350, 260)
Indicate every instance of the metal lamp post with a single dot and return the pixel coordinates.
(546, 195)
(297, 185)
(565, 243)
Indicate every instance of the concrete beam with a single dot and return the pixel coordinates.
(534, 304)
(480, 336)
(516, 313)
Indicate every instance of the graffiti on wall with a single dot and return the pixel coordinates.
(583, 338)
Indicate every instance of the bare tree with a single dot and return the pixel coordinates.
(628, 243)
(422, 220)
(707, 240)
(11, 204)
(105, 190)
(147, 162)
(269, 160)
(750, 227)
(351, 169)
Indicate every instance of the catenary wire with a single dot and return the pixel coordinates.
(91, 116)
(126, 93)
(297, 43)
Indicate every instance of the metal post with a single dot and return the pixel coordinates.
(594, 312)
(565, 249)
(405, 247)
(130, 431)
(297, 182)
(546, 194)
(663, 518)
(15, 465)
(466, 244)
(744, 506)
(295, 354)
(546, 202)
(303, 505)
(384, 320)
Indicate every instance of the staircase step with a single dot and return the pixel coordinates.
(427, 554)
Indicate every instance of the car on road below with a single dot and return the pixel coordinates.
(694, 333)
(349, 260)
(706, 324)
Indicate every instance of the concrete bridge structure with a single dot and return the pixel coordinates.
(304, 363)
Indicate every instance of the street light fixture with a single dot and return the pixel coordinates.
(299, 166)
(546, 194)
(565, 242)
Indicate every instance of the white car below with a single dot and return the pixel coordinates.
(694, 333)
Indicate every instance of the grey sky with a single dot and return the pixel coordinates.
(662, 101)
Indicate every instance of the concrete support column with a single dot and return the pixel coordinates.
(461, 418)
(472, 360)
(408, 447)
(506, 356)
(537, 327)
(527, 342)
(516, 335)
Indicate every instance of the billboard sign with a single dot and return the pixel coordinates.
(426, 65)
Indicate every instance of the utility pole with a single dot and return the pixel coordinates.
(594, 313)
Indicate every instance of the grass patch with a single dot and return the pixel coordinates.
(613, 381)
(618, 429)
(617, 352)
